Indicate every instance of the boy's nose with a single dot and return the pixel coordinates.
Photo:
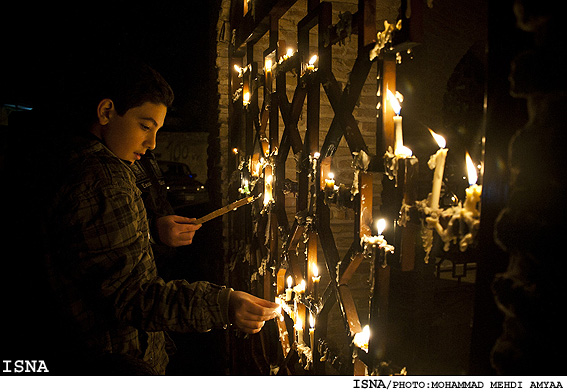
(150, 142)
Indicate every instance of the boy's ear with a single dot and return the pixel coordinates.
(104, 109)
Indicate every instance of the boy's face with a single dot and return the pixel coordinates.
(131, 135)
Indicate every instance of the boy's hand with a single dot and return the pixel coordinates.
(175, 230)
(249, 313)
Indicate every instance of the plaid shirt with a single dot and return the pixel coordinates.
(102, 268)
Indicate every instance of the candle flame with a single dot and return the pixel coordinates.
(246, 98)
(289, 52)
(331, 176)
(315, 270)
(311, 320)
(394, 102)
(471, 170)
(361, 339)
(438, 138)
(313, 59)
(403, 151)
(381, 225)
(289, 281)
(268, 65)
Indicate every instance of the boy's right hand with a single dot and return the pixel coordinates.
(249, 313)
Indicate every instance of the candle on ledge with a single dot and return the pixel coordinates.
(474, 191)
(289, 290)
(316, 278)
(437, 162)
(398, 133)
(312, 331)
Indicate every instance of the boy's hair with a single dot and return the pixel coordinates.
(126, 81)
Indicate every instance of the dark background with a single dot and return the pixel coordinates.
(43, 47)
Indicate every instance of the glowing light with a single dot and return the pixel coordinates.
(396, 107)
(313, 59)
(361, 339)
(471, 170)
(403, 151)
(438, 138)
(380, 226)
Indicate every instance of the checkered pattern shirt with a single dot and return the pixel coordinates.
(103, 271)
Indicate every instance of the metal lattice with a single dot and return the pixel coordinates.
(265, 247)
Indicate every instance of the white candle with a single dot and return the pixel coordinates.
(330, 182)
(268, 186)
(312, 331)
(474, 191)
(311, 64)
(299, 330)
(437, 161)
(361, 338)
(316, 278)
(398, 133)
(289, 290)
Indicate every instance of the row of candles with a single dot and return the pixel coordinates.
(436, 162)
(268, 68)
(295, 294)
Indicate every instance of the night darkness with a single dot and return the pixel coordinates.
(43, 49)
(45, 44)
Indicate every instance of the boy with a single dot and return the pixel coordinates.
(101, 266)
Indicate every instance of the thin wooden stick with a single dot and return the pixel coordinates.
(223, 210)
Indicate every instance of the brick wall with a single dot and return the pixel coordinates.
(343, 60)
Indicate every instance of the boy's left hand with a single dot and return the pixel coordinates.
(175, 230)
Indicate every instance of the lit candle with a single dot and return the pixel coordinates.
(312, 331)
(300, 288)
(268, 185)
(268, 75)
(299, 330)
(437, 161)
(474, 191)
(289, 290)
(330, 182)
(311, 64)
(316, 278)
(246, 98)
(279, 310)
(361, 338)
(398, 133)
(380, 226)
